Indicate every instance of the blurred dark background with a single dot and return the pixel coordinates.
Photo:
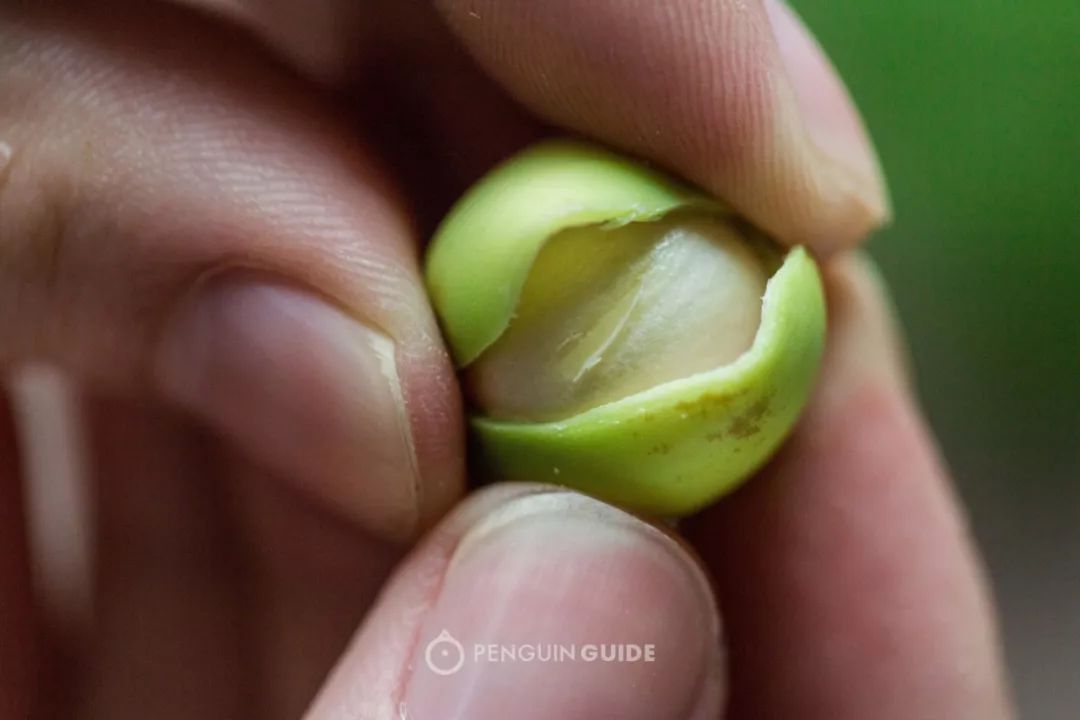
(975, 108)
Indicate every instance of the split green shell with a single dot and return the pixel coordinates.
(673, 448)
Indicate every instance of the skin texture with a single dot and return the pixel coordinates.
(210, 219)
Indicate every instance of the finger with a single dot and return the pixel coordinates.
(204, 231)
(846, 575)
(735, 96)
(309, 579)
(525, 566)
(171, 632)
(57, 518)
(19, 651)
(58, 513)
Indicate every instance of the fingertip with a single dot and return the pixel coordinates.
(314, 393)
(562, 573)
(554, 605)
(736, 97)
(832, 123)
(332, 373)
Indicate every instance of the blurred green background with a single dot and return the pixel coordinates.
(975, 108)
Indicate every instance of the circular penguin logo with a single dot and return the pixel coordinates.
(444, 655)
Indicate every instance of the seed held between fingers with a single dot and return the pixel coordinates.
(620, 333)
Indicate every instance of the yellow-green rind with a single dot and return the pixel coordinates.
(482, 253)
(675, 448)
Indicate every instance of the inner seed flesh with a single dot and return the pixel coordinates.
(606, 313)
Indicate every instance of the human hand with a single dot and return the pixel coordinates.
(217, 238)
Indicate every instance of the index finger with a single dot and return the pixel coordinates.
(845, 573)
(734, 95)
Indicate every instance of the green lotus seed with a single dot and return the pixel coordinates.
(620, 333)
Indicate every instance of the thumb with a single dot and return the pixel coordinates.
(536, 604)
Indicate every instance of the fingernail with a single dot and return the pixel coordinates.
(303, 389)
(829, 116)
(559, 606)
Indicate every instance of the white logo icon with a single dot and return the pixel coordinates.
(444, 655)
